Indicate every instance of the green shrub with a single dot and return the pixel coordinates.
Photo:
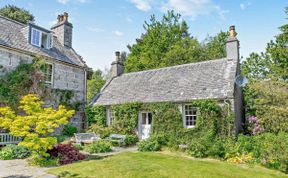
(78, 146)
(14, 152)
(101, 146)
(6, 154)
(37, 160)
(273, 150)
(198, 149)
(61, 138)
(162, 139)
(131, 140)
(217, 150)
(69, 130)
(149, 145)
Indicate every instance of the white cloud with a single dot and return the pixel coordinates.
(193, 8)
(244, 6)
(118, 33)
(143, 5)
(63, 1)
(95, 29)
(67, 1)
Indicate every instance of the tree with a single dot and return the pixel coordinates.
(271, 104)
(95, 84)
(159, 38)
(16, 13)
(214, 47)
(35, 123)
(278, 52)
(266, 95)
(273, 63)
(168, 43)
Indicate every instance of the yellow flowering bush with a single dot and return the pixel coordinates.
(34, 123)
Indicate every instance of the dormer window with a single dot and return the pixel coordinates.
(41, 39)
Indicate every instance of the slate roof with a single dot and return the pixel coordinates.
(209, 79)
(12, 35)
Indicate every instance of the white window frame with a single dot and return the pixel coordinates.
(33, 30)
(52, 73)
(110, 116)
(189, 115)
(49, 42)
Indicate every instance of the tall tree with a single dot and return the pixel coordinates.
(16, 13)
(213, 47)
(167, 43)
(273, 63)
(266, 94)
(158, 39)
(95, 84)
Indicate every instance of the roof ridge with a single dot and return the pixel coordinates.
(14, 21)
(176, 66)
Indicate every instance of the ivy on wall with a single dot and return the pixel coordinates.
(28, 78)
(212, 120)
(96, 115)
(126, 118)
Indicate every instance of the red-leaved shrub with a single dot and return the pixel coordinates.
(66, 153)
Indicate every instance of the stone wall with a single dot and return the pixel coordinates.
(65, 77)
(9, 60)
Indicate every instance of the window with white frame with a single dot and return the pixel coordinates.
(190, 115)
(41, 39)
(110, 116)
(48, 73)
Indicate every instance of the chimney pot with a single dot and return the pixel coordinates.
(117, 54)
(232, 45)
(232, 31)
(117, 67)
(63, 30)
(65, 17)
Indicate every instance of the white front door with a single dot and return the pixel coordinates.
(146, 121)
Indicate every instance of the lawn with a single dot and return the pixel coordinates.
(160, 165)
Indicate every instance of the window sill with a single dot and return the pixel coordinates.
(190, 127)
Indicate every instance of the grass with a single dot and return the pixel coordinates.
(141, 164)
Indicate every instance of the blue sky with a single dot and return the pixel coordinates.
(102, 27)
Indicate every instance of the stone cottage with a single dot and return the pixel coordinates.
(65, 69)
(181, 84)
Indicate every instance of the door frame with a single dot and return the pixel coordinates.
(140, 123)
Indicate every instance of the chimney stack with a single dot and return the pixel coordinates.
(117, 66)
(63, 30)
(232, 44)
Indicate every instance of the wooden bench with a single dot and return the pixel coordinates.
(117, 138)
(81, 138)
(6, 139)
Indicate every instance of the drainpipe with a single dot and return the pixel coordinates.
(228, 113)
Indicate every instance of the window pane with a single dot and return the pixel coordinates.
(149, 118)
(144, 118)
(35, 37)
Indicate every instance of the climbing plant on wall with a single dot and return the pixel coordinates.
(26, 78)
(212, 120)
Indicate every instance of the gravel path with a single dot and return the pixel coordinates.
(20, 169)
